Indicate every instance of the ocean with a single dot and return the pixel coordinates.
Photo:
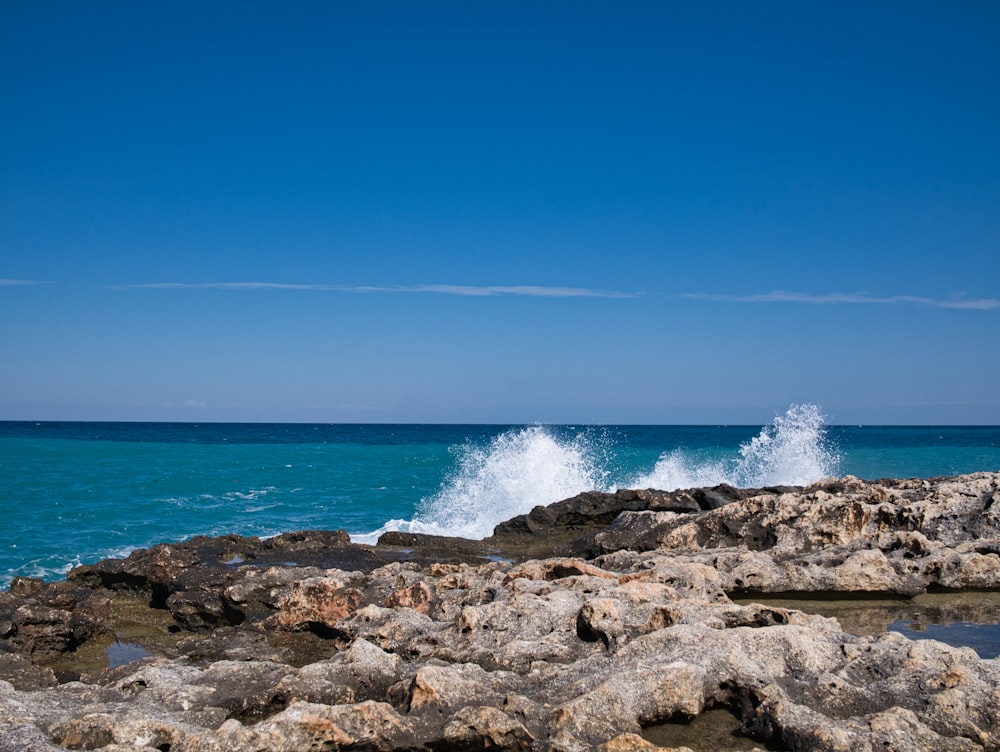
(77, 492)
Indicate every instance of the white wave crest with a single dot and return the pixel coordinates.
(526, 467)
(790, 452)
(678, 469)
(517, 471)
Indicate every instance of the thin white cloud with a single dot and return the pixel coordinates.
(226, 286)
(837, 298)
(537, 291)
(20, 282)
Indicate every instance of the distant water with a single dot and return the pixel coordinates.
(78, 492)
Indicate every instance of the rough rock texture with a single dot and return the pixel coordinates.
(584, 625)
(894, 536)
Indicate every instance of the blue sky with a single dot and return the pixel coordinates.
(644, 212)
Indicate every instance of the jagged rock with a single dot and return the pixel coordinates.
(485, 727)
(634, 743)
(844, 535)
(23, 674)
(44, 621)
(233, 644)
(355, 648)
(204, 563)
(318, 603)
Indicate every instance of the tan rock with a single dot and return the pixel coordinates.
(321, 601)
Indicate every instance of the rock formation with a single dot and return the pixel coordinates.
(600, 622)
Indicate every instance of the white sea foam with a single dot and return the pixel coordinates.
(526, 467)
(53, 567)
(391, 526)
(679, 469)
(517, 471)
(792, 452)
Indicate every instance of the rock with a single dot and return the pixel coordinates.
(92, 731)
(566, 527)
(577, 627)
(626, 701)
(634, 743)
(23, 674)
(317, 603)
(897, 537)
(21, 736)
(200, 610)
(416, 596)
(485, 727)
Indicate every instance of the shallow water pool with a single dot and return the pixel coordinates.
(961, 619)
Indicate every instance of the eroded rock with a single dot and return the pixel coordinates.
(344, 647)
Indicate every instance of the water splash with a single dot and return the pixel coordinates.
(539, 465)
(793, 451)
(517, 471)
(680, 469)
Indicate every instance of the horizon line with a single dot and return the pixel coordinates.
(211, 421)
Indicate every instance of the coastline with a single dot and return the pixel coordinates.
(593, 621)
(112, 488)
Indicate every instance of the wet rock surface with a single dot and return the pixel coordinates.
(606, 621)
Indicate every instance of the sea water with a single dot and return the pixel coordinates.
(75, 493)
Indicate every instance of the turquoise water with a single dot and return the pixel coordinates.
(78, 492)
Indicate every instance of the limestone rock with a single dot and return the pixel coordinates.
(607, 615)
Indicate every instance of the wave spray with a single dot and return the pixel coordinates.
(517, 471)
(525, 467)
(793, 451)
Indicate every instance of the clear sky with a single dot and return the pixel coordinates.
(603, 212)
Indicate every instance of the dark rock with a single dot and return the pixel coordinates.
(26, 586)
(200, 610)
(23, 674)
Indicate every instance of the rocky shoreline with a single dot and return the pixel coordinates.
(600, 622)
